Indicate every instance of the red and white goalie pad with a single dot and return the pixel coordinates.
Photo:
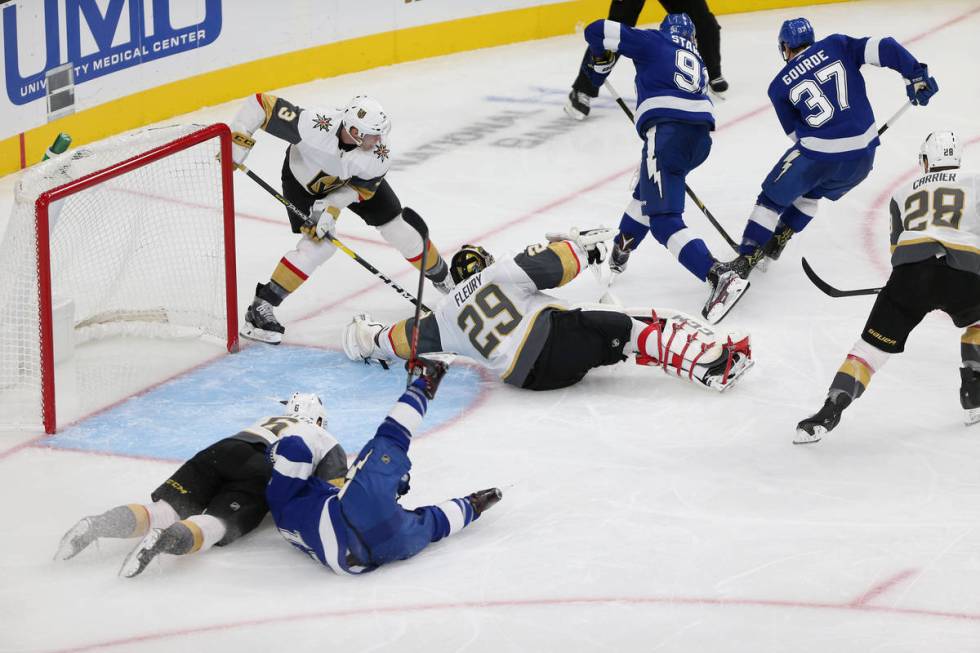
(684, 347)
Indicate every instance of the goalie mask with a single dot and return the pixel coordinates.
(306, 407)
(367, 116)
(469, 260)
(940, 150)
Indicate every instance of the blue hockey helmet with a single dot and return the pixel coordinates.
(795, 33)
(678, 25)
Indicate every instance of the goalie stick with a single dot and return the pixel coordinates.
(827, 289)
(690, 193)
(333, 240)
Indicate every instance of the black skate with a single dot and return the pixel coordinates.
(431, 368)
(620, 254)
(728, 282)
(578, 105)
(774, 248)
(483, 500)
(813, 428)
(970, 394)
(142, 555)
(719, 84)
(261, 323)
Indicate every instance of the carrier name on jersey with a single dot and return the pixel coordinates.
(463, 292)
(803, 66)
(934, 177)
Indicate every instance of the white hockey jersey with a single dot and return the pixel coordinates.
(497, 317)
(317, 157)
(268, 430)
(938, 214)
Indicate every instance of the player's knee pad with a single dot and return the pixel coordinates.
(310, 254)
(402, 236)
(683, 347)
(664, 226)
(209, 531)
(161, 514)
(765, 214)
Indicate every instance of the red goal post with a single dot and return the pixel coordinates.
(148, 226)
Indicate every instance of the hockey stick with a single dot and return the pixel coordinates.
(690, 193)
(418, 307)
(825, 287)
(333, 240)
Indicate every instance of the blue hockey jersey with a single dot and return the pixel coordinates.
(821, 100)
(670, 76)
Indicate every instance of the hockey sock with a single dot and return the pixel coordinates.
(970, 347)
(451, 517)
(798, 215)
(759, 229)
(393, 340)
(855, 373)
(633, 227)
(405, 416)
(205, 531)
(671, 232)
(408, 241)
(122, 521)
(272, 292)
(296, 266)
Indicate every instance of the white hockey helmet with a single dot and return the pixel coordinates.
(367, 115)
(940, 150)
(307, 407)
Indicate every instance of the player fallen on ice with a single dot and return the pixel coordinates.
(336, 159)
(674, 118)
(498, 316)
(935, 239)
(361, 525)
(822, 104)
(215, 497)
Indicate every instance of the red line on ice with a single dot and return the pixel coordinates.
(877, 590)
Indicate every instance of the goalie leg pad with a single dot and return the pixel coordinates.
(683, 347)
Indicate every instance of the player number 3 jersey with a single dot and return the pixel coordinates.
(938, 214)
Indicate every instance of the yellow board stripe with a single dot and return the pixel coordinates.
(857, 368)
(971, 336)
(280, 71)
(570, 265)
(398, 337)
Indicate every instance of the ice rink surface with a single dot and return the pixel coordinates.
(639, 513)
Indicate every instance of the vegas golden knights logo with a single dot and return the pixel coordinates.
(361, 113)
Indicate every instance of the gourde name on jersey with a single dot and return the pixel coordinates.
(938, 214)
(804, 65)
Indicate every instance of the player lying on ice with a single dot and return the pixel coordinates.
(498, 316)
(936, 257)
(215, 497)
(360, 526)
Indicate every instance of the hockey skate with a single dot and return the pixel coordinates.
(142, 555)
(620, 255)
(76, 540)
(578, 105)
(774, 248)
(813, 428)
(360, 342)
(728, 282)
(483, 500)
(445, 286)
(719, 84)
(261, 323)
(970, 394)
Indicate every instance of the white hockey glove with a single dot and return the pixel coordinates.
(359, 344)
(595, 242)
(322, 221)
(241, 145)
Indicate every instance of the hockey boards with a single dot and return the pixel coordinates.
(827, 289)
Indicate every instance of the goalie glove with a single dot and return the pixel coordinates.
(595, 242)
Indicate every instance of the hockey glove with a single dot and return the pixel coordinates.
(241, 145)
(595, 242)
(921, 87)
(322, 221)
(597, 68)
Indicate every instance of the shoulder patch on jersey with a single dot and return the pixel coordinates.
(323, 122)
(381, 151)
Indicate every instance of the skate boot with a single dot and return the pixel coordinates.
(773, 249)
(620, 254)
(142, 555)
(813, 428)
(578, 105)
(261, 323)
(719, 84)
(970, 394)
(76, 540)
(446, 285)
(728, 282)
(483, 500)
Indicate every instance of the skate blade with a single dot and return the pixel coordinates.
(571, 112)
(132, 565)
(736, 373)
(802, 437)
(972, 417)
(718, 312)
(67, 548)
(610, 299)
(260, 335)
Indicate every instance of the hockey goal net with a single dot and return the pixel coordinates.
(130, 236)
